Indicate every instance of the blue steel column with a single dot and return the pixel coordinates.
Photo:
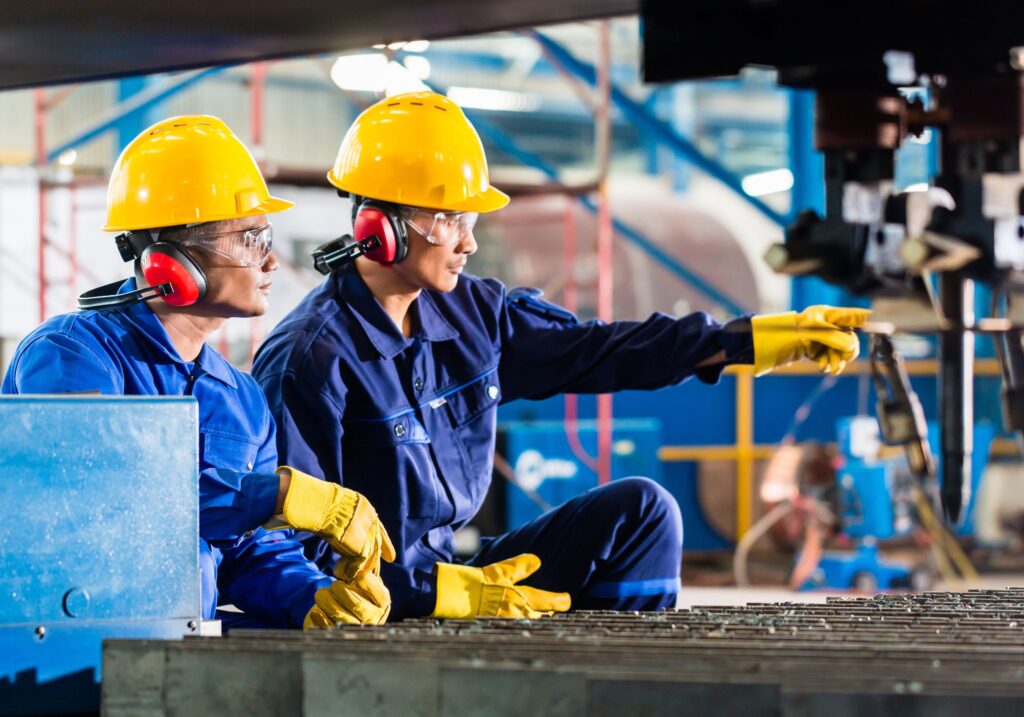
(656, 104)
(684, 121)
(131, 125)
(808, 167)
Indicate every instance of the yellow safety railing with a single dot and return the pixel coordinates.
(745, 452)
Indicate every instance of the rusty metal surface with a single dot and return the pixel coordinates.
(940, 653)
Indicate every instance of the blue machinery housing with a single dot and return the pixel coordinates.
(100, 539)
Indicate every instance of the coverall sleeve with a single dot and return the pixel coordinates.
(232, 503)
(545, 350)
(267, 574)
(308, 419)
(59, 363)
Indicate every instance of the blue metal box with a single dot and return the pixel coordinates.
(99, 538)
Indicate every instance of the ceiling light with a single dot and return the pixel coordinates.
(418, 66)
(762, 183)
(500, 100)
(360, 72)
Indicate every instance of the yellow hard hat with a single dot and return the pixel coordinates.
(416, 149)
(186, 170)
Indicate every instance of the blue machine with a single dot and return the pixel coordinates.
(874, 500)
(546, 466)
(100, 539)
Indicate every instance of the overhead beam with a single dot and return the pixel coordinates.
(61, 41)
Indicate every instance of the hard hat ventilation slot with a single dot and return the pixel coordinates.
(438, 107)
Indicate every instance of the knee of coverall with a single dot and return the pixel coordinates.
(645, 502)
(207, 580)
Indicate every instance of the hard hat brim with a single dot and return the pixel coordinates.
(270, 205)
(489, 201)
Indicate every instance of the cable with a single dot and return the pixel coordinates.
(943, 539)
(757, 530)
(802, 413)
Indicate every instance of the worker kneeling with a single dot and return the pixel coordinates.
(387, 379)
(190, 206)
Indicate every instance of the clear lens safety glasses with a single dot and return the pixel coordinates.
(440, 228)
(248, 248)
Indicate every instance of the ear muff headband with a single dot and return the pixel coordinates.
(170, 270)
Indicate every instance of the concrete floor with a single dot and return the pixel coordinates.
(697, 596)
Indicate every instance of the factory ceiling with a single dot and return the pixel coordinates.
(61, 41)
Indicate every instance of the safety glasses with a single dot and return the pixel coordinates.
(248, 248)
(440, 228)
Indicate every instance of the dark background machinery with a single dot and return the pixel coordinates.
(917, 254)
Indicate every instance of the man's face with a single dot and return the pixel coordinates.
(233, 289)
(436, 266)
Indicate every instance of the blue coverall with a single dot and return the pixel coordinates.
(126, 351)
(410, 423)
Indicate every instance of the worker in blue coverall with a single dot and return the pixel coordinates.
(388, 376)
(190, 206)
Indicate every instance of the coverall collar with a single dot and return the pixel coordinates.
(142, 318)
(428, 323)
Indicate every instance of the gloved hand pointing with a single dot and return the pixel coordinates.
(819, 333)
(491, 591)
(341, 516)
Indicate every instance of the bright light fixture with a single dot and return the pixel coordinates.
(418, 66)
(360, 72)
(374, 73)
(501, 100)
(762, 183)
(67, 158)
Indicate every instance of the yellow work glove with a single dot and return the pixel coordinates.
(819, 333)
(341, 516)
(363, 600)
(491, 591)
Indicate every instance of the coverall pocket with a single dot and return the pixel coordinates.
(384, 460)
(223, 451)
(473, 412)
(474, 400)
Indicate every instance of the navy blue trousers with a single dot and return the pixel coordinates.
(616, 547)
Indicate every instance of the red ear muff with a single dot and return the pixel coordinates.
(382, 221)
(165, 263)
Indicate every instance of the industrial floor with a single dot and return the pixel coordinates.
(694, 596)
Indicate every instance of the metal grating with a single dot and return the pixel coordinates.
(944, 653)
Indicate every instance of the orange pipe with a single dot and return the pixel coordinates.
(605, 236)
